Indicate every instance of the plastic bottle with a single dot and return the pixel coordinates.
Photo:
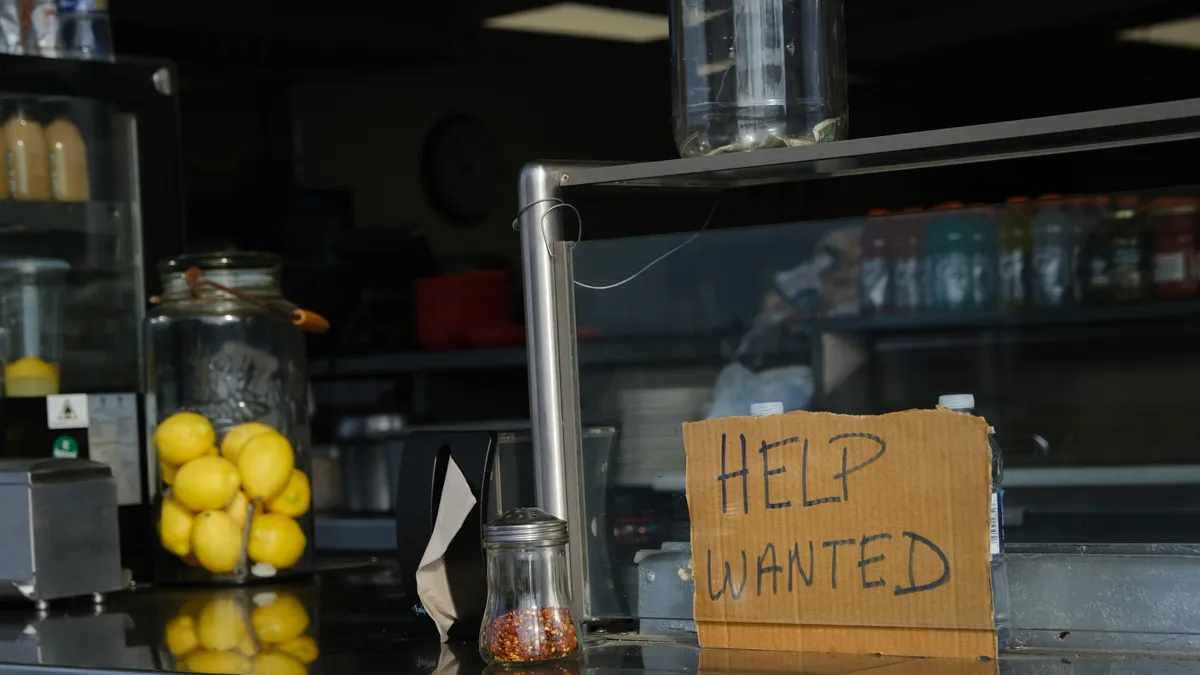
(982, 224)
(1095, 264)
(85, 31)
(1130, 250)
(948, 252)
(907, 266)
(1051, 253)
(876, 270)
(69, 180)
(1014, 233)
(1083, 213)
(965, 403)
(28, 160)
(1173, 225)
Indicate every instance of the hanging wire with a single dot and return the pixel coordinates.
(560, 204)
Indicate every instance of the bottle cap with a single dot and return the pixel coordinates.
(957, 401)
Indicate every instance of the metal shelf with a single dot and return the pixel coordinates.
(1077, 132)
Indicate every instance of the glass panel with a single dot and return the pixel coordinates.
(70, 255)
(1072, 321)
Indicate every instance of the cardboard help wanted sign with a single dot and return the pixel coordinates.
(834, 533)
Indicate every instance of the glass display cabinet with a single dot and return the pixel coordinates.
(92, 197)
(1047, 266)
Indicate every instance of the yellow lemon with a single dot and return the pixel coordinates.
(231, 445)
(219, 663)
(216, 541)
(206, 483)
(266, 462)
(175, 527)
(276, 540)
(220, 626)
(246, 646)
(274, 663)
(182, 437)
(193, 606)
(237, 508)
(181, 635)
(303, 648)
(30, 376)
(213, 452)
(281, 621)
(167, 471)
(294, 499)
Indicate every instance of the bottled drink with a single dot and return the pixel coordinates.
(1051, 253)
(1082, 214)
(1173, 224)
(1095, 264)
(85, 31)
(1130, 252)
(948, 259)
(876, 271)
(982, 227)
(965, 403)
(907, 275)
(1015, 241)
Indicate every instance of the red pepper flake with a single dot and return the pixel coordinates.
(529, 635)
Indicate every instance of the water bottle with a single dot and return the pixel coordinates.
(85, 31)
(965, 403)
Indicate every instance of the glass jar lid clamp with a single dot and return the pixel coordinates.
(303, 319)
(526, 526)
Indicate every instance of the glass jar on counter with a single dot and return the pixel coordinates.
(528, 616)
(229, 403)
(243, 630)
(757, 75)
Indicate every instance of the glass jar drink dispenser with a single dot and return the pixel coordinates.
(230, 388)
(757, 74)
(31, 296)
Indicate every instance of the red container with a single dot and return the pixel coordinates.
(1173, 223)
(451, 307)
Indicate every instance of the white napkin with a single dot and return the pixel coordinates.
(432, 585)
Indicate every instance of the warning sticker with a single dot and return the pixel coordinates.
(67, 411)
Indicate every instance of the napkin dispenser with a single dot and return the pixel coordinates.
(58, 521)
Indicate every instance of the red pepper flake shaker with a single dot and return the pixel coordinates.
(528, 616)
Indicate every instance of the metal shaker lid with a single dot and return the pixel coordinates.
(526, 526)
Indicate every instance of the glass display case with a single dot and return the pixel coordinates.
(92, 193)
(1046, 266)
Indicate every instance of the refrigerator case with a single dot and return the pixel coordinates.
(71, 340)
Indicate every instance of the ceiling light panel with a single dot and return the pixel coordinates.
(576, 19)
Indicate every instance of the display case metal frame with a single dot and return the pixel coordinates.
(543, 189)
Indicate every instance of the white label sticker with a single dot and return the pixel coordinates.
(994, 526)
(67, 412)
(113, 439)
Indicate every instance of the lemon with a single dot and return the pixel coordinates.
(175, 527)
(193, 606)
(181, 635)
(303, 648)
(30, 376)
(237, 508)
(246, 646)
(220, 663)
(281, 621)
(212, 452)
(183, 436)
(275, 663)
(220, 626)
(206, 483)
(266, 462)
(294, 499)
(167, 471)
(231, 445)
(216, 541)
(275, 539)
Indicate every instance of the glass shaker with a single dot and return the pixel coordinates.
(757, 74)
(229, 384)
(31, 297)
(528, 615)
